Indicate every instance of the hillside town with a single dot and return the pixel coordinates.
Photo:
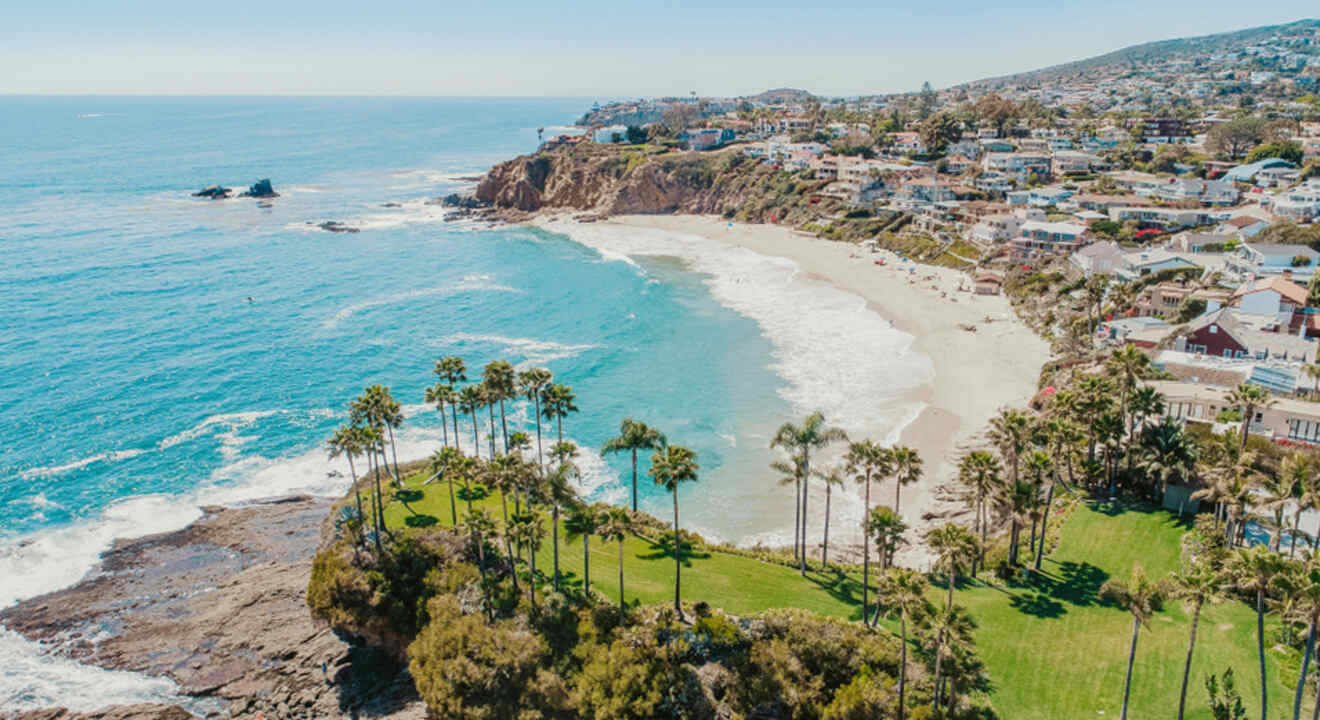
(1185, 185)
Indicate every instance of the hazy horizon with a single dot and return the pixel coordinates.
(585, 49)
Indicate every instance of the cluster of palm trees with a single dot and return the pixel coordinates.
(373, 415)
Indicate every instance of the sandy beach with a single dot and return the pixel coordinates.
(975, 373)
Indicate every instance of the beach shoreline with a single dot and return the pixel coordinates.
(975, 373)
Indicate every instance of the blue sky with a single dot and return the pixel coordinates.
(591, 49)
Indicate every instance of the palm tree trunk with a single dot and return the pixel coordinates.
(352, 472)
(1187, 665)
(1013, 542)
(1044, 526)
(825, 541)
(939, 655)
(1292, 539)
(540, 457)
(453, 412)
(554, 523)
(531, 579)
(902, 661)
(560, 421)
(898, 491)
(586, 564)
(1132, 656)
(866, 547)
(797, 518)
(1031, 546)
(634, 463)
(508, 546)
(476, 439)
(622, 604)
(453, 507)
(806, 473)
(491, 409)
(948, 605)
(678, 562)
(984, 528)
(481, 566)
(512, 565)
(1306, 663)
(444, 425)
(1260, 648)
(394, 452)
(504, 427)
(380, 506)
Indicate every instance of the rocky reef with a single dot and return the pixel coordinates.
(219, 608)
(261, 189)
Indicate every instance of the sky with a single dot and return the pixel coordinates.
(591, 48)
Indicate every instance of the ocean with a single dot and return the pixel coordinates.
(160, 352)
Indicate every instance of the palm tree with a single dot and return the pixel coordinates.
(617, 526)
(832, 478)
(634, 436)
(501, 382)
(452, 371)
(438, 395)
(531, 383)
(557, 403)
(978, 471)
(1308, 500)
(1198, 584)
(1254, 570)
(800, 441)
(1276, 491)
(348, 441)
(955, 548)
(471, 399)
(489, 396)
(584, 521)
(1096, 288)
(1016, 500)
(792, 473)
(903, 592)
(1302, 585)
(1039, 466)
(952, 629)
(376, 407)
(529, 530)
(866, 459)
(480, 525)
(887, 529)
(1170, 454)
(906, 464)
(671, 466)
(1143, 596)
(1302, 481)
(1312, 370)
(443, 464)
(1095, 398)
(559, 491)
(1129, 364)
(1010, 430)
(1247, 399)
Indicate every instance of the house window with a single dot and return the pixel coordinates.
(1214, 329)
(1228, 353)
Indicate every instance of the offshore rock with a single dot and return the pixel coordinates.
(213, 192)
(260, 189)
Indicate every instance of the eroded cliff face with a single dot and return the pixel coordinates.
(609, 182)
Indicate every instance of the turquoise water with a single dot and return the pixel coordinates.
(139, 382)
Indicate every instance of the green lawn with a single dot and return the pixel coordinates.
(1053, 651)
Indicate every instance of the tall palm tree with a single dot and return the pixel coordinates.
(371, 440)
(617, 526)
(1170, 453)
(1039, 467)
(903, 593)
(452, 371)
(529, 531)
(347, 440)
(1275, 492)
(1016, 500)
(906, 465)
(443, 465)
(800, 441)
(1145, 402)
(502, 383)
(1254, 570)
(489, 398)
(584, 521)
(671, 466)
(1010, 431)
(832, 478)
(791, 472)
(887, 529)
(1247, 399)
(1308, 500)
(1128, 363)
(1301, 478)
(1095, 397)
(952, 629)
(556, 404)
(480, 526)
(633, 436)
(438, 395)
(378, 408)
(1142, 596)
(471, 400)
(1199, 583)
(978, 471)
(559, 491)
(955, 548)
(1301, 584)
(866, 460)
(531, 383)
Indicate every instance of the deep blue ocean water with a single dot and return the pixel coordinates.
(138, 381)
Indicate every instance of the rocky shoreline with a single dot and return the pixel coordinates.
(219, 608)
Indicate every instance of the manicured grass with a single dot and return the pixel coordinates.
(1052, 649)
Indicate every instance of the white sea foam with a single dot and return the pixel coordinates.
(42, 680)
(533, 351)
(471, 283)
(51, 470)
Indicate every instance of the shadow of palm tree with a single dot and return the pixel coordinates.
(408, 496)
(840, 587)
(664, 548)
(1038, 604)
(420, 521)
(479, 492)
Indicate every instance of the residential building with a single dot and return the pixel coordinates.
(1166, 218)
(1048, 238)
(1301, 203)
(1103, 258)
(1247, 173)
(1276, 295)
(1254, 259)
(1242, 226)
(707, 138)
(1206, 192)
(1072, 161)
(1285, 419)
(1230, 334)
(1165, 130)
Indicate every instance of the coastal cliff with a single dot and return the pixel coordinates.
(607, 181)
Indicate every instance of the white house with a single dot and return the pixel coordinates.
(1206, 192)
(1301, 203)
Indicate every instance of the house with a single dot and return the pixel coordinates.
(1101, 203)
(1072, 161)
(1247, 173)
(908, 142)
(1301, 203)
(707, 138)
(610, 134)
(1141, 183)
(1152, 260)
(1166, 218)
(1047, 238)
(988, 283)
(1263, 259)
(1230, 334)
(1018, 164)
(1039, 197)
(1165, 130)
(993, 182)
(1144, 332)
(1206, 192)
(1162, 299)
(1285, 419)
(1276, 295)
(1191, 242)
(1101, 257)
(993, 229)
(1242, 226)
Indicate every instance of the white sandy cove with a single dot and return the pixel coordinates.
(975, 373)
